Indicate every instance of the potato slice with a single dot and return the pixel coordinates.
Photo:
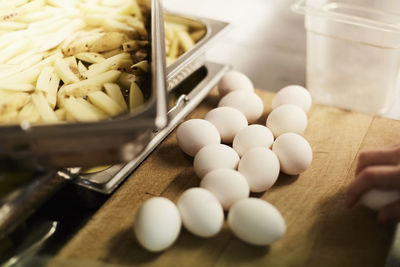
(62, 69)
(105, 103)
(22, 87)
(46, 112)
(29, 113)
(136, 98)
(108, 41)
(185, 40)
(52, 89)
(114, 91)
(125, 80)
(81, 68)
(79, 111)
(101, 114)
(106, 77)
(61, 114)
(13, 101)
(90, 57)
(98, 68)
(43, 81)
(28, 76)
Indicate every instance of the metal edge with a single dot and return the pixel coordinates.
(187, 62)
(183, 107)
(158, 65)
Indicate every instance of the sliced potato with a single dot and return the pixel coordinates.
(106, 77)
(29, 113)
(13, 102)
(22, 87)
(28, 76)
(101, 114)
(43, 81)
(46, 112)
(81, 68)
(108, 41)
(185, 40)
(105, 103)
(98, 68)
(114, 91)
(79, 111)
(62, 69)
(90, 57)
(52, 89)
(61, 114)
(136, 98)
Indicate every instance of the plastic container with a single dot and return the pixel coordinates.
(353, 52)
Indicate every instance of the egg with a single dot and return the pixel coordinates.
(249, 103)
(215, 156)
(256, 221)
(194, 134)
(293, 94)
(201, 213)
(228, 121)
(377, 199)
(294, 153)
(234, 81)
(260, 166)
(252, 136)
(287, 118)
(227, 185)
(157, 224)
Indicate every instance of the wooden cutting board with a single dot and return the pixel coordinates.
(321, 231)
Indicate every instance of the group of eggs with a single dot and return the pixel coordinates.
(233, 156)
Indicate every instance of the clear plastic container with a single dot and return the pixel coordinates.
(353, 52)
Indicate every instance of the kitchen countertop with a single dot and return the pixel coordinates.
(321, 231)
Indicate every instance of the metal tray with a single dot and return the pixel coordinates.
(187, 64)
(30, 196)
(118, 139)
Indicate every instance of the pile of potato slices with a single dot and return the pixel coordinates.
(71, 61)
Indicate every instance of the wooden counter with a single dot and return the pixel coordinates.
(320, 230)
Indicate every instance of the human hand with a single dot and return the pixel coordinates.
(378, 169)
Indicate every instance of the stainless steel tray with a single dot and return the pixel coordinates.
(107, 180)
(118, 139)
(187, 64)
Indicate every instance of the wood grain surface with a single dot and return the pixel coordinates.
(321, 231)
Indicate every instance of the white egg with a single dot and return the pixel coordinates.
(377, 199)
(157, 224)
(293, 94)
(215, 156)
(194, 134)
(201, 213)
(234, 81)
(260, 166)
(294, 153)
(287, 118)
(228, 121)
(227, 185)
(249, 103)
(256, 221)
(252, 136)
